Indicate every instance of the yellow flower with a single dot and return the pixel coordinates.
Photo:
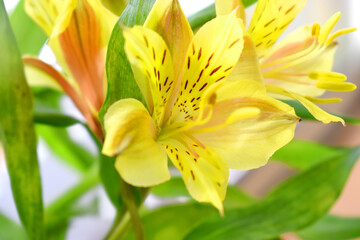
(78, 31)
(299, 66)
(202, 122)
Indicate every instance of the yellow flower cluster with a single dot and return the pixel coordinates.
(210, 97)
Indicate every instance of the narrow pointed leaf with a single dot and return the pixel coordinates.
(294, 205)
(10, 230)
(17, 133)
(175, 187)
(121, 82)
(302, 154)
(332, 227)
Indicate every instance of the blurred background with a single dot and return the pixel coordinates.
(58, 177)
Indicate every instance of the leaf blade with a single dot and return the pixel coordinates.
(18, 134)
(287, 208)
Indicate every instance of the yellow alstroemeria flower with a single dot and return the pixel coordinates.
(299, 66)
(202, 122)
(79, 31)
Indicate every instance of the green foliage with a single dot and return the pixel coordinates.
(10, 230)
(175, 187)
(174, 222)
(303, 154)
(121, 82)
(332, 228)
(111, 181)
(208, 13)
(51, 122)
(294, 205)
(18, 134)
(28, 34)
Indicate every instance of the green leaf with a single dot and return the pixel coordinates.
(121, 82)
(303, 154)
(115, 6)
(332, 228)
(59, 212)
(17, 133)
(58, 139)
(61, 144)
(28, 34)
(111, 181)
(175, 187)
(208, 13)
(10, 230)
(302, 112)
(47, 110)
(173, 222)
(47, 115)
(203, 16)
(294, 205)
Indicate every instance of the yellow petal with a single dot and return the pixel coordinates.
(212, 55)
(117, 7)
(130, 135)
(43, 12)
(297, 65)
(270, 19)
(264, 126)
(317, 112)
(225, 7)
(169, 21)
(79, 42)
(98, 14)
(152, 66)
(247, 67)
(39, 77)
(204, 172)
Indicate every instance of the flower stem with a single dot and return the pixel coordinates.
(120, 229)
(132, 209)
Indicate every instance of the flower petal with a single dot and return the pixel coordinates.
(204, 172)
(152, 66)
(39, 77)
(130, 135)
(248, 67)
(225, 7)
(44, 13)
(301, 65)
(270, 19)
(79, 41)
(317, 112)
(169, 21)
(211, 56)
(252, 125)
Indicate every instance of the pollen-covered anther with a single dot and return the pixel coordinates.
(315, 30)
(327, 76)
(212, 99)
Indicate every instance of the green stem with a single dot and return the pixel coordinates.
(89, 181)
(200, 18)
(132, 208)
(120, 229)
(122, 223)
(203, 16)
